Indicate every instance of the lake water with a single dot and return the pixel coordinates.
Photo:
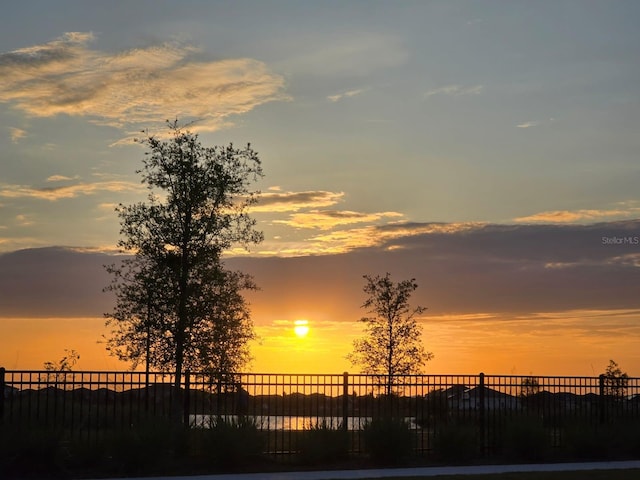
(281, 422)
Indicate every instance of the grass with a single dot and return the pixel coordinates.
(633, 474)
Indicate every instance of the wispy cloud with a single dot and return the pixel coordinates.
(69, 191)
(349, 93)
(60, 178)
(278, 201)
(328, 219)
(24, 220)
(528, 124)
(108, 206)
(133, 88)
(575, 216)
(455, 91)
(17, 134)
(354, 53)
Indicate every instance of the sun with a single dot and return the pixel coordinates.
(301, 328)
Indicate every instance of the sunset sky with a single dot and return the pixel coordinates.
(488, 149)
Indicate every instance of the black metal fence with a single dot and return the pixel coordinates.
(282, 407)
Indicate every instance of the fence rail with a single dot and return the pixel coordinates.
(283, 406)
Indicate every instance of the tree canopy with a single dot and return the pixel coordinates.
(392, 343)
(177, 306)
(615, 381)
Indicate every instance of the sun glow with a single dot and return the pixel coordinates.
(301, 328)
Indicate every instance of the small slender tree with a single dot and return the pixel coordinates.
(529, 386)
(615, 381)
(58, 370)
(392, 344)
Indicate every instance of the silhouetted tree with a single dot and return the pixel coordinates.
(177, 306)
(392, 345)
(58, 370)
(138, 319)
(529, 386)
(615, 381)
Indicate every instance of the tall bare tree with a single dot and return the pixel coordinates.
(177, 305)
(392, 344)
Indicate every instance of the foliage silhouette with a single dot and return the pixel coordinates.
(615, 381)
(230, 442)
(525, 439)
(322, 443)
(388, 440)
(392, 345)
(177, 306)
(529, 386)
(456, 442)
(57, 371)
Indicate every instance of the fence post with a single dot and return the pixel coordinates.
(345, 400)
(2, 394)
(481, 416)
(602, 399)
(185, 410)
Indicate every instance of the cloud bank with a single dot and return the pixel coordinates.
(499, 271)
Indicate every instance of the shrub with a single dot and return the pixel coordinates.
(627, 439)
(322, 443)
(30, 452)
(144, 448)
(230, 442)
(525, 439)
(583, 441)
(388, 439)
(619, 440)
(456, 443)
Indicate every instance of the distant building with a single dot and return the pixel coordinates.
(461, 397)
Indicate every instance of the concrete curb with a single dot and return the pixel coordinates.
(411, 472)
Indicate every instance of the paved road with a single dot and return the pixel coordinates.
(409, 472)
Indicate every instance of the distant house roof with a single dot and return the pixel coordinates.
(455, 391)
(488, 393)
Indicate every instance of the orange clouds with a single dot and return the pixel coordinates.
(17, 134)
(277, 201)
(69, 191)
(627, 209)
(341, 241)
(328, 219)
(133, 87)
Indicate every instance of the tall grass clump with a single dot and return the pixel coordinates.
(322, 443)
(388, 440)
(230, 442)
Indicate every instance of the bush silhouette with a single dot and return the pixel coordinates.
(321, 443)
(231, 442)
(387, 439)
(456, 442)
(525, 439)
